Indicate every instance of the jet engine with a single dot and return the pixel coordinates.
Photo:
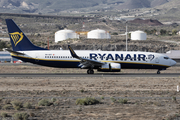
(110, 67)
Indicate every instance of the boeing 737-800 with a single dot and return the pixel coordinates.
(105, 61)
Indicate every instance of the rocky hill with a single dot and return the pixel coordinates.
(172, 7)
(158, 2)
(56, 6)
(132, 4)
(116, 45)
(170, 4)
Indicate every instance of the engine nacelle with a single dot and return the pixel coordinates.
(110, 67)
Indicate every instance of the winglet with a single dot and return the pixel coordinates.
(72, 52)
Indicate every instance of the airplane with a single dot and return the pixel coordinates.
(104, 61)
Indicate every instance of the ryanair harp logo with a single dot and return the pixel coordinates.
(16, 37)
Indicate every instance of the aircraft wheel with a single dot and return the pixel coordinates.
(158, 72)
(91, 71)
(88, 71)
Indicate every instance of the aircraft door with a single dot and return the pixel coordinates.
(157, 60)
(37, 57)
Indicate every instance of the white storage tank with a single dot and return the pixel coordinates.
(98, 34)
(65, 34)
(138, 35)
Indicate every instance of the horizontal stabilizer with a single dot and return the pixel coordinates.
(14, 52)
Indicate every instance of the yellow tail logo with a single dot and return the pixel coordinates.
(16, 37)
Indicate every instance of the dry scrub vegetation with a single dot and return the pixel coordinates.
(87, 98)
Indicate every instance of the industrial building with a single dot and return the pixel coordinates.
(65, 34)
(6, 57)
(138, 35)
(98, 34)
(174, 54)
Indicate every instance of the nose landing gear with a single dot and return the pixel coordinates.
(158, 72)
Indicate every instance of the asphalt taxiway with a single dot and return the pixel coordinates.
(89, 75)
(120, 74)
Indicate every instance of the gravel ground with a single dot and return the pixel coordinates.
(147, 98)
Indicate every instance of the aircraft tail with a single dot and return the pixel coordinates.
(19, 40)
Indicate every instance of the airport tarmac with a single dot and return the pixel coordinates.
(69, 75)
(33, 70)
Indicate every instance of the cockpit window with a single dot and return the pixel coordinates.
(166, 57)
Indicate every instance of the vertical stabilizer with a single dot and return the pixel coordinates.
(19, 41)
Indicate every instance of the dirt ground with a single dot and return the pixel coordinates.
(152, 98)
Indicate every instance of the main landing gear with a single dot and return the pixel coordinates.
(90, 71)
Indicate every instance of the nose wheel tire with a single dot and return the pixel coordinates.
(90, 71)
(158, 72)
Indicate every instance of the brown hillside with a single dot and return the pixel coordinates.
(147, 22)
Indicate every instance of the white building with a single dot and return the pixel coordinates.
(65, 34)
(138, 35)
(174, 54)
(98, 34)
(178, 33)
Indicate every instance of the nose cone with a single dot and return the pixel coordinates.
(173, 62)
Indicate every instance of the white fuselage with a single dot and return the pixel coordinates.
(126, 59)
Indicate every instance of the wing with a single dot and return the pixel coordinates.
(14, 52)
(85, 63)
